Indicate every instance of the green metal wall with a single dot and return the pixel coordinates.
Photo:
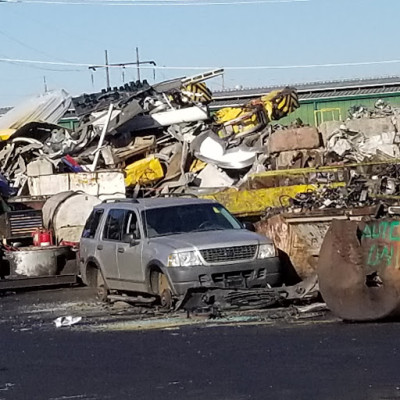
(307, 109)
(69, 123)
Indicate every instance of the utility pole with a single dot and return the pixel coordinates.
(121, 65)
(138, 63)
(45, 84)
(107, 70)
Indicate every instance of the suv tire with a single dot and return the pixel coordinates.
(160, 286)
(102, 288)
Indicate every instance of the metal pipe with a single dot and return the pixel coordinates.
(102, 136)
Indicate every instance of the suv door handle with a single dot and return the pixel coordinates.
(99, 247)
(121, 250)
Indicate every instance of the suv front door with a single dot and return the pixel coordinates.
(129, 254)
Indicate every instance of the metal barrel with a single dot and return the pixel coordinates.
(359, 269)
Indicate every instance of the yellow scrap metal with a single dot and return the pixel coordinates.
(5, 134)
(240, 118)
(280, 103)
(198, 92)
(143, 171)
(244, 203)
(197, 165)
(259, 112)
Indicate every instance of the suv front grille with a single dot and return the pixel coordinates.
(222, 254)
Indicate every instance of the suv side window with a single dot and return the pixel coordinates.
(92, 223)
(131, 225)
(113, 225)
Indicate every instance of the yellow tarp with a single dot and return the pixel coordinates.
(143, 171)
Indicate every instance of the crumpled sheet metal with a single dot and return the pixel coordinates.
(143, 171)
(49, 107)
(209, 148)
(359, 269)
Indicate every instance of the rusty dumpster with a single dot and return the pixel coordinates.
(299, 236)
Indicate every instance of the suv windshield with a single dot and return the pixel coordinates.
(188, 218)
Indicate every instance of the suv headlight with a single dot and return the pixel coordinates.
(184, 259)
(266, 250)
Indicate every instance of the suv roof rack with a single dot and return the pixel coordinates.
(128, 200)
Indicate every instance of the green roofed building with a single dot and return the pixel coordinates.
(321, 101)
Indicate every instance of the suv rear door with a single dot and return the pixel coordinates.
(106, 249)
(129, 255)
(90, 237)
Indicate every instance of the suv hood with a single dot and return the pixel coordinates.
(210, 239)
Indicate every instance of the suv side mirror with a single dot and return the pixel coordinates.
(129, 238)
(249, 226)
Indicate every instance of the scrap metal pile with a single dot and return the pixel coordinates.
(161, 136)
(163, 139)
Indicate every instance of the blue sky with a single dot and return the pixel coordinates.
(293, 33)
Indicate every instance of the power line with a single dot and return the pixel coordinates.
(163, 67)
(8, 36)
(154, 3)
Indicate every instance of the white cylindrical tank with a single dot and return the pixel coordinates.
(66, 214)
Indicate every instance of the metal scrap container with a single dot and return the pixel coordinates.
(37, 261)
(300, 236)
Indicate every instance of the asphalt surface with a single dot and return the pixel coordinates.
(124, 353)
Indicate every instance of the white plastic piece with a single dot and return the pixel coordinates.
(67, 321)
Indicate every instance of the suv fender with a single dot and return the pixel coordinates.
(89, 272)
(156, 265)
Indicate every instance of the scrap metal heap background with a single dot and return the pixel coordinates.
(165, 140)
(162, 136)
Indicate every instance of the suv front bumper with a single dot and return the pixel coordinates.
(248, 274)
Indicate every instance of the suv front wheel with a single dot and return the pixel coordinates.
(160, 286)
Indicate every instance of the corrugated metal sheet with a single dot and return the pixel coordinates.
(49, 107)
(313, 86)
(312, 91)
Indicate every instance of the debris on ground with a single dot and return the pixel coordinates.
(67, 321)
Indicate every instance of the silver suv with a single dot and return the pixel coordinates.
(164, 246)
